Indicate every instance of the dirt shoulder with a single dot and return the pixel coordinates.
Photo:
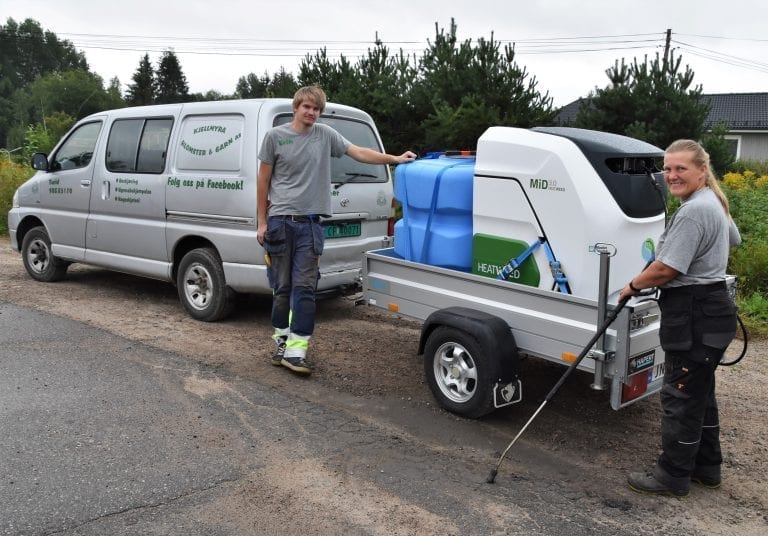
(367, 363)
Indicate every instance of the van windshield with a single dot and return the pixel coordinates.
(346, 169)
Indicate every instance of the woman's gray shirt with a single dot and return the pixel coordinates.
(697, 241)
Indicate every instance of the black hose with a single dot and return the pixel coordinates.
(745, 338)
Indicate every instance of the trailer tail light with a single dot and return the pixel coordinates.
(636, 386)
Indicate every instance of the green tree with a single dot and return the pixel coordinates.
(41, 137)
(383, 84)
(335, 77)
(142, 91)
(170, 82)
(210, 95)
(444, 99)
(653, 101)
(26, 53)
(470, 86)
(76, 93)
(283, 84)
(252, 86)
(720, 153)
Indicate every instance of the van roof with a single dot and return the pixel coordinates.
(278, 104)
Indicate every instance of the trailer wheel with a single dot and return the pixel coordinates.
(202, 287)
(458, 372)
(39, 261)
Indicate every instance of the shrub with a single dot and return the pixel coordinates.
(12, 175)
(753, 310)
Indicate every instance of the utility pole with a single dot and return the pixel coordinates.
(666, 49)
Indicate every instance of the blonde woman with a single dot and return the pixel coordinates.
(698, 321)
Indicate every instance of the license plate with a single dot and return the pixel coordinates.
(342, 229)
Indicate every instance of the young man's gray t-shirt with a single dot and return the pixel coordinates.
(697, 241)
(301, 168)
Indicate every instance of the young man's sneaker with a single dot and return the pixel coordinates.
(277, 357)
(647, 483)
(297, 364)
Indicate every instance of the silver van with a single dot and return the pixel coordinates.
(169, 192)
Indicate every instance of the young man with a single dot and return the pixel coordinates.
(293, 190)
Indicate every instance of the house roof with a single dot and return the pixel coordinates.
(740, 111)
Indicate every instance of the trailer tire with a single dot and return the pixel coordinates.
(38, 258)
(202, 286)
(459, 373)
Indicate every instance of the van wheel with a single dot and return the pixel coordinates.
(458, 372)
(202, 287)
(40, 263)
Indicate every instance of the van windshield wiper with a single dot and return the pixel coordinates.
(349, 176)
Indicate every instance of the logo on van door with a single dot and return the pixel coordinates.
(211, 143)
(211, 149)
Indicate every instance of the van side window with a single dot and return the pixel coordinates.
(138, 145)
(77, 150)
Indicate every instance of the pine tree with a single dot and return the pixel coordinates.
(170, 82)
(142, 91)
(653, 101)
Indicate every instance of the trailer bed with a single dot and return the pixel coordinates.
(545, 324)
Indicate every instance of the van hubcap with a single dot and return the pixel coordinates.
(38, 256)
(197, 286)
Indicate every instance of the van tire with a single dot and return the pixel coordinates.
(202, 286)
(459, 373)
(39, 260)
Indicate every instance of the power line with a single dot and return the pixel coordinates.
(335, 48)
(720, 57)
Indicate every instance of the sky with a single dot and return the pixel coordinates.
(566, 45)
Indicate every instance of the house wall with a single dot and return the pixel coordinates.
(754, 146)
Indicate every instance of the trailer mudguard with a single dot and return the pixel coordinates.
(493, 334)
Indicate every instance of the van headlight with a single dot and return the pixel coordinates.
(15, 199)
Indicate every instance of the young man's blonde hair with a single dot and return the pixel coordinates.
(310, 93)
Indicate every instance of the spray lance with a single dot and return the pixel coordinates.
(609, 319)
(605, 251)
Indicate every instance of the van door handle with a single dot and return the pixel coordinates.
(85, 183)
(105, 190)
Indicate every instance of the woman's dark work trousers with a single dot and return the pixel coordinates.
(697, 324)
(690, 428)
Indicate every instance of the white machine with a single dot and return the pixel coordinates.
(566, 189)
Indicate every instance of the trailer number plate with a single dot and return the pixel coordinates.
(641, 362)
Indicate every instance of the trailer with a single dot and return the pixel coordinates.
(586, 205)
(475, 330)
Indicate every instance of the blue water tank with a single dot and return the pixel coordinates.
(436, 195)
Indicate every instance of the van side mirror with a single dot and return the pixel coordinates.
(40, 161)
